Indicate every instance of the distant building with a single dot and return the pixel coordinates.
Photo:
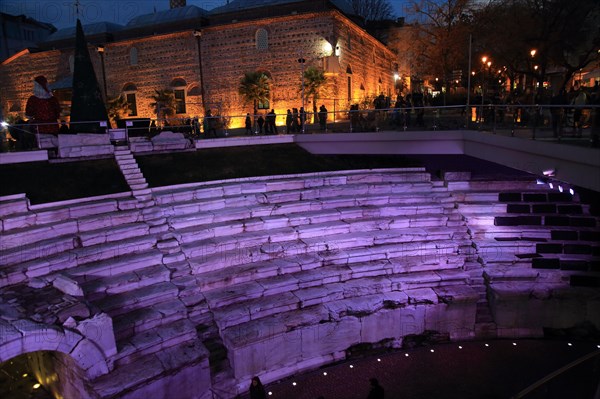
(203, 55)
(20, 32)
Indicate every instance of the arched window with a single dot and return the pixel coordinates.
(129, 92)
(178, 85)
(262, 39)
(133, 56)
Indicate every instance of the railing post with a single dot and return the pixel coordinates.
(37, 136)
(535, 118)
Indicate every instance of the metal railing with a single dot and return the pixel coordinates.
(569, 124)
(543, 381)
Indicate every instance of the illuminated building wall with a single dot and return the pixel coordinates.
(356, 64)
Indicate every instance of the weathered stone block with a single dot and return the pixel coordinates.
(84, 144)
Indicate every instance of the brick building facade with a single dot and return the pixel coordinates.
(162, 52)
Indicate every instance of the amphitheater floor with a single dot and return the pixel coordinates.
(476, 371)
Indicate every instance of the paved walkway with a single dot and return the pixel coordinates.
(490, 370)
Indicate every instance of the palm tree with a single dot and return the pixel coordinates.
(314, 82)
(164, 103)
(117, 107)
(255, 87)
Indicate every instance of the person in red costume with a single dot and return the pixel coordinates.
(43, 108)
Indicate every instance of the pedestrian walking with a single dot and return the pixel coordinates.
(261, 122)
(288, 122)
(323, 117)
(248, 123)
(376, 391)
(257, 390)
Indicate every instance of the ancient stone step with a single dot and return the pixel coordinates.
(126, 261)
(147, 370)
(174, 334)
(148, 318)
(40, 250)
(111, 219)
(138, 186)
(113, 234)
(135, 181)
(23, 236)
(127, 281)
(118, 304)
(523, 272)
(531, 233)
(475, 208)
(129, 166)
(132, 174)
(13, 204)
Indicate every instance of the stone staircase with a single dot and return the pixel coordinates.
(522, 237)
(133, 175)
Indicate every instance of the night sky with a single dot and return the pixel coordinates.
(61, 13)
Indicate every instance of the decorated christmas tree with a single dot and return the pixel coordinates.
(86, 103)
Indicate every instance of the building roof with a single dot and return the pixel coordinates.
(64, 83)
(240, 5)
(174, 15)
(28, 20)
(88, 30)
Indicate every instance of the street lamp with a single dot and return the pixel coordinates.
(198, 36)
(484, 61)
(100, 50)
(302, 61)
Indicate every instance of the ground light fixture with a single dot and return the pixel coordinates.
(561, 186)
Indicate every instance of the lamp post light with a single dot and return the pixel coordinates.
(100, 50)
(198, 36)
(485, 62)
(302, 61)
(533, 94)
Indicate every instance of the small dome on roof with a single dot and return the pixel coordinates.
(238, 5)
(89, 30)
(162, 17)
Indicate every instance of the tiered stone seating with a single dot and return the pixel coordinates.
(274, 275)
(105, 251)
(383, 246)
(537, 246)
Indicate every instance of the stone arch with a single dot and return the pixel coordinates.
(178, 83)
(24, 336)
(129, 87)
